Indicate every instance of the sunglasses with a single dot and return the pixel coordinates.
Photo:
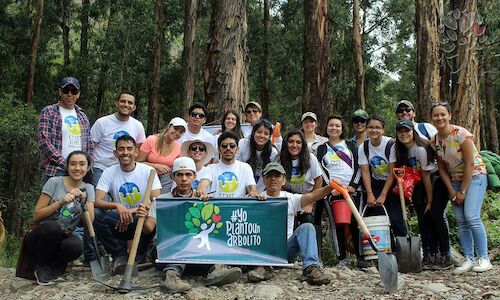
(197, 148)
(67, 90)
(252, 111)
(434, 104)
(230, 145)
(358, 120)
(402, 110)
(199, 115)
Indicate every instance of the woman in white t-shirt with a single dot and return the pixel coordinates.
(303, 172)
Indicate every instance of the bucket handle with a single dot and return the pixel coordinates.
(385, 210)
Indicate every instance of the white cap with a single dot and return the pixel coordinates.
(178, 122)
(183, 164)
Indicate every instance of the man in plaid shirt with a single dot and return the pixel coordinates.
(63, 127)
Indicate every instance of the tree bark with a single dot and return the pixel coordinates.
(491, 120)
(428, 81)
(34, 51)
(84, 35)
(264, 95)
(191, 13)
(316, 59)
(358, 55)
(65, 31)
(154, 88)
(465, 83)
(226, 67)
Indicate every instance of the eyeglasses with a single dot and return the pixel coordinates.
(358, 120)
(198, 148)
(434, 104)
(402, 110)
(252, 111)
(375, 127)
(199, 115)
(67, 90)
(230, 145)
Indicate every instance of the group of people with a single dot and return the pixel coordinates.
(103, 169)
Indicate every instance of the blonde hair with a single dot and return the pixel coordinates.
(161, 138)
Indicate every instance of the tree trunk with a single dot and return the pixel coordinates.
(428, 81)
(34, 51)
(65, 31)
(226, 68)
(465, 84)
(84, 36)
(358, 55)
(491, 120)
(264, 95)
(191, 13)
(154, 88)
(316, 59)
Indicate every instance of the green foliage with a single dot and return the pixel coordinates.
(9, 251)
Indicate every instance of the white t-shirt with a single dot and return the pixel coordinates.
(294, 206)
(247, 131)
(314, 144)
(229, 180)
(417, 158)
(336, 167)
(204, 136)
(104, 133)
(244, 154)
(71, 131)
(304, 183)
(431, 130)
(127, 188)
(377, 160)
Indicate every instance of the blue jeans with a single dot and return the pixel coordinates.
(303, 242)
(96, 175)
(470, 227)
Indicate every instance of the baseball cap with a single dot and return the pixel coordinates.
(70, 80)
(360, 113)
(406, 103)
(210, 149)
(274, 166)
(178, 122)
(184, 164)
(309, 114)
(404, 123)
(254, 104)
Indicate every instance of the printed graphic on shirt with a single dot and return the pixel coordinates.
(72, 124)
(414, 163)
(296, 177)
(332, 159)
(228, 182)
(119, 134)
(379, 165)
(130, 194)
(195, 184)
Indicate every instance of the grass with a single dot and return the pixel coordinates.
(9, 252)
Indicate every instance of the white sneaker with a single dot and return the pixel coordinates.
(483, 265)
(466, 266)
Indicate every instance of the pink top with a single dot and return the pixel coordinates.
(449, 151)
(155, 157)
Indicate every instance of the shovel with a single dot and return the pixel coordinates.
(409, 247)
(101, 265)
(387, 264)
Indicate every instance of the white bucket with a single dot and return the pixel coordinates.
(380, 229)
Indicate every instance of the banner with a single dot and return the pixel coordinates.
(222, 231)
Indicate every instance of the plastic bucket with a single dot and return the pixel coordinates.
(379, 227)
(341, 211)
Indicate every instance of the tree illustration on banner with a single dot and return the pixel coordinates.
(202, 219)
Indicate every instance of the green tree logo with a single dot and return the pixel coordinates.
(201, 216)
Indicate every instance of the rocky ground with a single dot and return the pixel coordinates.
(286, 284)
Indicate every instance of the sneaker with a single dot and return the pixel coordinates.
(222, 275)
(173, 282)
(363, 264)
(429, 261)
(443, 262)
(314, 276)
(259, 274)
(43, 275)
(466, 266)
(483, 265)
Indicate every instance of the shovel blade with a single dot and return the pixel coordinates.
(388, 270)
(416, 259)
(404, 254)
(100, 269)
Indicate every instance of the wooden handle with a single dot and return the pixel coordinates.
(399, 173)
(140, 222)
(276, 132)
(89, 224)
(402, 199)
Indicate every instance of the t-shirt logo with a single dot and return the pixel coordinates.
(414, 163)
(228, 182)
(130, 194)
(119, 134)
(72, 123)
(332, 154)
(380, 165)
(296, 177)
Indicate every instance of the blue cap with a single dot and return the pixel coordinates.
(70, 80)
(404, 123)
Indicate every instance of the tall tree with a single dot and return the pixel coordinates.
(63, 9)
(154, 89)
(316, 58)
(191, 13)
(428, 81)
(34, 51)
(264, 95)
(491, 131)
(358, 54)
(226, 68)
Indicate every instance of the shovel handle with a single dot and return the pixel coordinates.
(140, 222)
(399, 173)
(88, 222)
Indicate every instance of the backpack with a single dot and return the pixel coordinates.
(321, 151)
(423, 130)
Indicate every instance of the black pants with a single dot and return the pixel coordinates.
(52, 247)
(437, 226)
(419, 201)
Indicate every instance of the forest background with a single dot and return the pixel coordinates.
(292, 56)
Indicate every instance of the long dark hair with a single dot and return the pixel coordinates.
(237, 128)
(286, 158)
(402, 151)
(267, 149)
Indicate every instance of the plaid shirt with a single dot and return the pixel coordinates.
(50, 137)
